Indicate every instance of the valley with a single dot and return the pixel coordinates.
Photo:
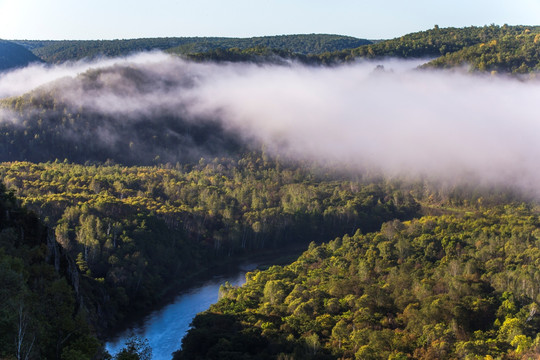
(399, 176)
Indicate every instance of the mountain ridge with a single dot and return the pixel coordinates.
(55, 51)
(13, 55)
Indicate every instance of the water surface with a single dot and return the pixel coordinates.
(165, 328)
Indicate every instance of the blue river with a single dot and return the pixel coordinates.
(165, 328)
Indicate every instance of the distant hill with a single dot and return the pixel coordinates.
(58, 130)
(60, 51)
(300, 44)
(256, 55)
(487, 48)
(509, 49)
(505, 49)
(507, 54)
(13, 55)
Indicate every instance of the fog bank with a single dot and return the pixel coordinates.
(397, 120)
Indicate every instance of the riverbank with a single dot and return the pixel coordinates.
(203, 283)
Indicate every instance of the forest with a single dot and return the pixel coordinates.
(509, 53)
(60, 51)
(107, 207)
(461, 285)
(41, 312)
(133, 230)
(493, 48)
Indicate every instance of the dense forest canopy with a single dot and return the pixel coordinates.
(75, 119)
(60, 51)
(505, 49)
(516, 52)
(463, 285)
(42, 313)
(133, 231)
(509, 53)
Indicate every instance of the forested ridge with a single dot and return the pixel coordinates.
(42, 312)
(137, 232)
(56, 51)
(15, 56)
(504, 49)
(509, 53)
(438, 41)
(439, 287)
(43, 125)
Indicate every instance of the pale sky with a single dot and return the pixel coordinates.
(119, 19)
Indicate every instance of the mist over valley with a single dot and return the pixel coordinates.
(384, 115)
(405, 170)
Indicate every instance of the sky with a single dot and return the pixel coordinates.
(119, 19)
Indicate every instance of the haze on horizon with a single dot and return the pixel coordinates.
(100, 19)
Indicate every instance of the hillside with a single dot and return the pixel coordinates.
(299, 44)
(45, 125)
(15, 56)
(257, 55)
(505, 49)
(500, 48)
(505, 54)
(138, 232)
(452, 286)
(61, 51)
(42, 313)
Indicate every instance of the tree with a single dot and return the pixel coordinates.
(87, 234)
(340, 332)
(135, 349)
(313, 343)
(23, 343)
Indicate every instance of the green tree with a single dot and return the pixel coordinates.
(135, 349)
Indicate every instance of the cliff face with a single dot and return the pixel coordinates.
(40, 289)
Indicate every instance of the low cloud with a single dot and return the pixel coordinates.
(398, 120)
(8, 116)
(403, 121)
(22, 80)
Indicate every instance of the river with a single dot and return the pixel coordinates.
(165, 328)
